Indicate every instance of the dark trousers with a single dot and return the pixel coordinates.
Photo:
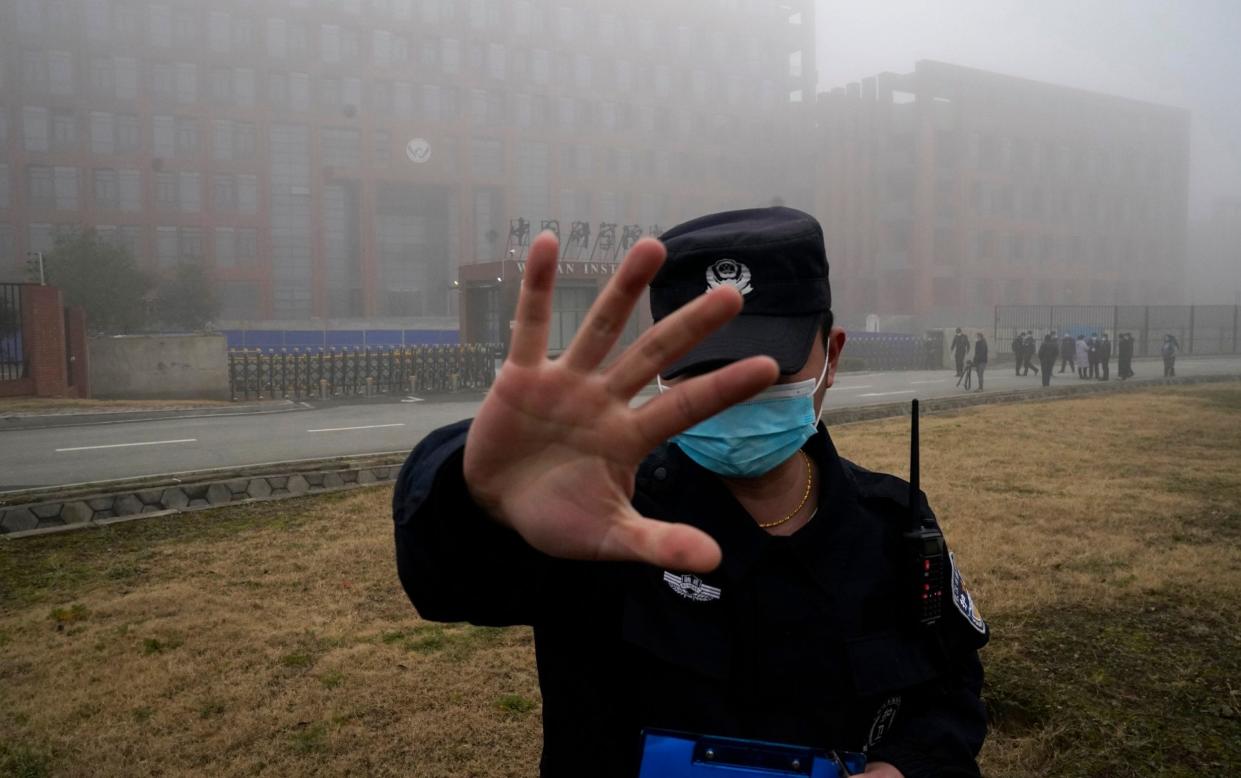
(1126, 369)
(1029, 366)
(1104, 366)
(1065, 362)
(1169, 366)
(1083, 372)
(980, 368)
(1019, 363)
(960, 364)
(1048, 365)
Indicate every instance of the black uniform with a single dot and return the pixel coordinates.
(799, 639)
(1068, 353)
(1104, 358)
(1126, 356)
(960, 348)
(1019, 350)
(1047, 354)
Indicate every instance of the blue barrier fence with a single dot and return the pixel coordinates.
(279, 339)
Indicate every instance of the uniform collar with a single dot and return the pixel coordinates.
(698, 498)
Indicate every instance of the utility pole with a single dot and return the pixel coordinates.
(34, 262)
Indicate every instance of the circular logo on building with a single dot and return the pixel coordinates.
(418, 150)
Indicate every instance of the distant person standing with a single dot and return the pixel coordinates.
(980, 358)
(1083, 357)
(1068, 353)
(1019, 348)
(1124, 348)
(1092, 354)
(960, 349)
(1104, 357)
(1047, 354)
(1168, 351)
(1028, 350)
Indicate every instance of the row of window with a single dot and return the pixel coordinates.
(120, 77)
(182, 28)
(60, 188)
(230, 246)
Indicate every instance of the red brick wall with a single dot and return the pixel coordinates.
(43, 339)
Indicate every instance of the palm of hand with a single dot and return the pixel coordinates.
(553, 450)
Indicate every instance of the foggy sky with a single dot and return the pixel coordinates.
(1185, 53)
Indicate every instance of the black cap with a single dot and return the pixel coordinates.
(775, 258)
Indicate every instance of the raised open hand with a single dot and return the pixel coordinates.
(554, 448)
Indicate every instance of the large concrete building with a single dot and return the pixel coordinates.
(1215, 255)
(949, 190)
(345, 158)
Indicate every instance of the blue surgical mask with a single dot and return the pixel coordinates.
(751, 438)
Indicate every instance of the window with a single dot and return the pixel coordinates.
(245, 142)
(102, 133)
(34, 70)
(248, 193)
(166, 190)
(403, 100)
(189, 195)
(167, 248)
(128, 133)
(223, 193)
(30, 16)
(247, 245)
(129, 190)
(341, 147)
(159, 26)
(486, 157)
(219, 32)
(60, 72)
(187, 137)
(5, 197)
(102, 77)
(64, 131)
(107, 189)
(163, 81)
(66, 185)
(383, 147)
(497, 60)
(187, 82)
(278, 90)
(225, 240)
(299, 91)
(450, 55)
(221, 86)
(126, 77)
(243, 86)
(36, 128)
(191, 244)
(277, 38)
(222, 139)
(164, 135)
(329, 43)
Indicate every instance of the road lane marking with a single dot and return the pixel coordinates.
(125, 445)
(366, 427)
(885, 394)
(933, 381)
(838, 387)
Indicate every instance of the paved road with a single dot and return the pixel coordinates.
(102, 451)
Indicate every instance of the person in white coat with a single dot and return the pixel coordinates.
(1083, 357)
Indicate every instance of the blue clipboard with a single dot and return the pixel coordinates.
(679, 755)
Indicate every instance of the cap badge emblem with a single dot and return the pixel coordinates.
(729, 272)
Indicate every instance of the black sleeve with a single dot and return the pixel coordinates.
(939, 727)
(454, 561)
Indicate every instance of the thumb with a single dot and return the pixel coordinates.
(662, 544)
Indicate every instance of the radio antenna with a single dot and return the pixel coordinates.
(914, 501)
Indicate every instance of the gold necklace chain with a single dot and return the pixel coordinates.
(804, 497)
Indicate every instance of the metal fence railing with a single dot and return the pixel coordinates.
(1199, 329)
(12, 358)
(351, 371)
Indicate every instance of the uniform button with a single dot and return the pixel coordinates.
(661, 473)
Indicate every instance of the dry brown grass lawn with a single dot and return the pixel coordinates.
(1102, 537)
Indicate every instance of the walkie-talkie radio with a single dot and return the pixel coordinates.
(924, 544)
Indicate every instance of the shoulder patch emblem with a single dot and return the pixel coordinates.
(691, 587)
(883, 721)
(962, 599)
(729, 272)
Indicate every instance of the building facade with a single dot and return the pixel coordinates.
(949, 190)
(345, 158)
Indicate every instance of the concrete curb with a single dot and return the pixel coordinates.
(50, 420)
(37, 512)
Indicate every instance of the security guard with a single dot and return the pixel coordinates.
(703, 562)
